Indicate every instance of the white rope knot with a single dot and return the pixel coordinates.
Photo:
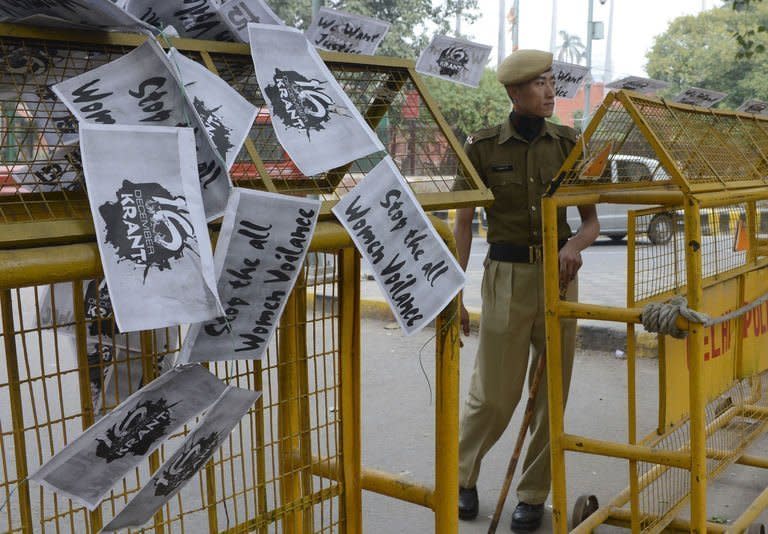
(662, 317)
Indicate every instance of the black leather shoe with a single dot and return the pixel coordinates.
(468, 503)
(527, 517)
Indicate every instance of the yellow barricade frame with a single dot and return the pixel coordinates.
(708, 160)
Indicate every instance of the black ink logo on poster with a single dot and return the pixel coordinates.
(98, 309)
(137, 432)
(187, 463)
(300, 102)
(217, 130)
(148, 226)
(452, 61)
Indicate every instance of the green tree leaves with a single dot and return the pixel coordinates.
(468, 109)
(704, 51)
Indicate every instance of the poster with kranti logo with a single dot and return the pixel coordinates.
(314, 120)
(259, 254)
(87, 468)
(411, 264)
(198, 447)
(344, 32)
(226, 115)
(150, 224)
(142, 88)
(238, 13)
(455, 60)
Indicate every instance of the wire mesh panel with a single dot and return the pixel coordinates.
(40, 169)
(631, 159)
(64, 366)
(658, 247)
(734, 420)
(697, 150)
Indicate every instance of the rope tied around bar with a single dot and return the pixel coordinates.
(662, 317)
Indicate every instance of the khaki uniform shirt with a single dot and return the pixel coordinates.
(518, 173)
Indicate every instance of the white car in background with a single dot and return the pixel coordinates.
(613, 217)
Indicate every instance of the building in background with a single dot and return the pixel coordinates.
(570, 110)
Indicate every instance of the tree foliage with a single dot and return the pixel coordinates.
(694, 52)
(468, 109)
(413, 22)
(748, 46)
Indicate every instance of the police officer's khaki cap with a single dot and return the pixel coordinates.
(523, 65)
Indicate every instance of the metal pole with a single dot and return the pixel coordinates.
(553, 28)
(588, 82)
(502, 15)
(516, 25)
(458, 18)
(316, 6)
(609, 46)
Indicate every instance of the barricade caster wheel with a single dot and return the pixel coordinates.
(756, 528)
(585, 506)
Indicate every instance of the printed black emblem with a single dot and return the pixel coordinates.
(187, 463)
(137, 432)
(452, 61)
(148, 225)
(299, 102)
(217, 130)
(30, 60)
(98, 309)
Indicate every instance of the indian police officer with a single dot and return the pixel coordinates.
(517, 160)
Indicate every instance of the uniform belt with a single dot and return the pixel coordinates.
(517, 253)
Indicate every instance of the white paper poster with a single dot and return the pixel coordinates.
(568, 78)
(753, 105)
(197, 19)
(142, 88)
(455, 60)
(261, 248)
(313, 118)
(699, 97)
(238, 13)
(345, 32)
(641, 85)
(86, 469)
(411, 264)
(198, 447)
(92, 13)
(226, 115)
(150, 224)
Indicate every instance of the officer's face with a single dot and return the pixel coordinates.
(535, 98)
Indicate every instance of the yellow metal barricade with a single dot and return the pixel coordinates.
(707, 173)
(293, 464)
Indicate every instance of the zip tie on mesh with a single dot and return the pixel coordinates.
(662, 317)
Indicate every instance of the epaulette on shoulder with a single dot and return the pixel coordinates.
(485, 133)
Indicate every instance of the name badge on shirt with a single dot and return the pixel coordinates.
(502, 168)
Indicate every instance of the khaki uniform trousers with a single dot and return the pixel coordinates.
(512, 322)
